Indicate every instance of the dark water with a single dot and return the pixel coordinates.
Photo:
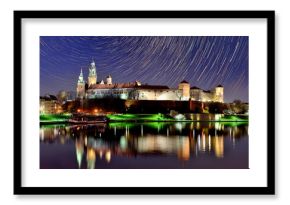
(155, 145)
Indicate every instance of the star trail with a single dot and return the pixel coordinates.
(203, 61)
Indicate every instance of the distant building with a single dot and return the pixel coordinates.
(64, 96)
(137, 91)
(49, 105)
(215, 95)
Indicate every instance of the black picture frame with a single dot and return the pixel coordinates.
(19, 189)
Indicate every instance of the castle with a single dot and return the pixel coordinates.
(137, 91)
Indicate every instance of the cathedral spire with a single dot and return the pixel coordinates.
(93, 62)
(81, 86)
(81, 77)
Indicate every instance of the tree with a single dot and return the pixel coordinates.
(216, 107)
(239, 107)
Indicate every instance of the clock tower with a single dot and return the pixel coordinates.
(92, 79)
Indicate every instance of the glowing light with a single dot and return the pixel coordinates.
(86, 141)
(91, 158)
(203, 142)
(209, 142)
(184, 150)
(123, 143)
(42, 134)
(198, 117)
(108, 156)
(219, 147)
(198, 142)
(180, 117)
(178, 126)
(79, 152)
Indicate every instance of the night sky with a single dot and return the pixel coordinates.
(203, 61)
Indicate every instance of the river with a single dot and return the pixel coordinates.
(150, 145)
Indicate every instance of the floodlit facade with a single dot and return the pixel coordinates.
(49, 105)
(137, 91)
(81, 86)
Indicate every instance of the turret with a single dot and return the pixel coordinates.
(219, 94)
(184, 86)
(109, 80)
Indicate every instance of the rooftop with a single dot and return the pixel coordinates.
(48, 97)
(184, 81)
(127, 85)
(196, 88)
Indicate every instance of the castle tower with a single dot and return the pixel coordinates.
(109, 80)
(219, 94)
(184, 86)
(92, 79)
(81, 86)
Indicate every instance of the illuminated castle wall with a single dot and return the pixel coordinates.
(137, 91)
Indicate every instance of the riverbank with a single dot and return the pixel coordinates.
(139, 117)
(178, 118)
(67, 118)
(54, 118)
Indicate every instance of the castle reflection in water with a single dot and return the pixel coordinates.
(182, 141)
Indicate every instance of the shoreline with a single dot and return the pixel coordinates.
(142, 118)
(141, 121)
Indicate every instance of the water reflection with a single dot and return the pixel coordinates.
(145, 145)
